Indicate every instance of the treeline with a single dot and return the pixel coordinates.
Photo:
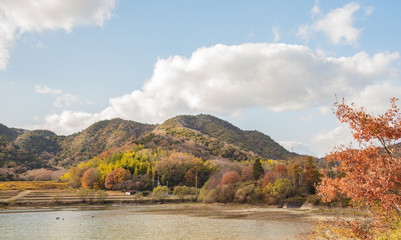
(273, 183)
(140, 169)
(251, 181)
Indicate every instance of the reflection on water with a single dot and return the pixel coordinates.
(133, 223)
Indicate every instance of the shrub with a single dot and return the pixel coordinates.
(225, 193)
(160, 192)
(211, 197)
(231, 177)
(277, 192)
(184, 191)
(248, 194)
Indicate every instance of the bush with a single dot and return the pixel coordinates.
(160, 192)
(183, 191)
(277, 192)
(211, 197)
(145, 193)
(314, 199)
(248, 194)
(225, 193)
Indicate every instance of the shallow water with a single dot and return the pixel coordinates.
(134, 222)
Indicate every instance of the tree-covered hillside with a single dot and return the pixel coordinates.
(99, 137)
(248, 140)
(10, 133)
(202, 136)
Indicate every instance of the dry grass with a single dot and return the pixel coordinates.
(31, 185)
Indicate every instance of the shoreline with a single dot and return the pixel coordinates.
(214, 210)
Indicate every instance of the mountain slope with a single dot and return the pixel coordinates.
(10, 133)
(248, 140)
(99, 137)
(203, 136)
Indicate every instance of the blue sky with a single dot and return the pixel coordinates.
(273, 66)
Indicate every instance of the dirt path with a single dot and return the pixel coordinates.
(20, 195)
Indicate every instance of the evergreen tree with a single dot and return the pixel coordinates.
(311, 175)
(258, 170)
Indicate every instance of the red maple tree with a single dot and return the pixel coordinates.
(370, 170)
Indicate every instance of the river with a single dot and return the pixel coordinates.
(149, 222)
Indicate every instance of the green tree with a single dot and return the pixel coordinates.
(311, 176)
(277, 192)
(258, 170)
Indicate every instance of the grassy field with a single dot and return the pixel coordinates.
(31, 185)
(48, 193)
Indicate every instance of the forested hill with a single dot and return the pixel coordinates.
(99, 137)
(202, 135)
(10, 133)
(248, 140)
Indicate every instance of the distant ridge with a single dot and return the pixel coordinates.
(202, 135)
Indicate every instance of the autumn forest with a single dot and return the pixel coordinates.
(215, 162)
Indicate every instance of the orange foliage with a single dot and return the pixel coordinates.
(90, 178)
(372, 172)
(231, 177)
(281, 171)
(268, 178)
(116, 176)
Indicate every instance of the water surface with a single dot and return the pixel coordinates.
(138, 222)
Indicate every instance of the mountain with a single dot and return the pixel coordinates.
(201, 135)
(248, 140)
(99, 137)
(10, 133)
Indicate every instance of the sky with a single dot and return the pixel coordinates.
(272, 66)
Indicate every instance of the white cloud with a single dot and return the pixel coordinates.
(276, 33)
(21, 16)
(226, 79)
(376, 97)
(62, 99)
(295, 146)
(337, 25)
(43, 89)
(325, 142)
(68, 121)
(304, 32)
(65, 100)
(316, 9)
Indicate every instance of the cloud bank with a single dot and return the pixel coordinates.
(227, 79)
(22, 16)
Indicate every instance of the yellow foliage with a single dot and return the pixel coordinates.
(331, 231)
(32, 185)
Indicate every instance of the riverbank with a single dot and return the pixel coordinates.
(25, 199)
